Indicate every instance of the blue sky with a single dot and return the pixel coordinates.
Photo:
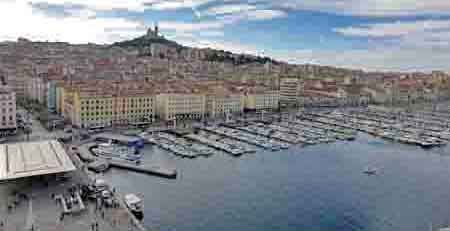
(387, 35)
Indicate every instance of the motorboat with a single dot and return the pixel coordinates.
(370, 171)
(135, 205)
(117, 152)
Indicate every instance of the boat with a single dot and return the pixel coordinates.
(114, 151)
(370, 171)
(135, 205)
(98, 166)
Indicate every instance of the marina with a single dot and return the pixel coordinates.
(180, 146)
(319, 132)
(385, 125)
(215, 142)
(318, 183)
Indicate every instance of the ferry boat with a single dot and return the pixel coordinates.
(135, 204)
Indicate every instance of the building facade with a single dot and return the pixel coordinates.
(8, 124)
(218, 105)
(291, 90)
(85, 108)
(51, 96)
(262, 100)
(181, 106)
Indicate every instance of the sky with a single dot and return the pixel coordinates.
(374, 35)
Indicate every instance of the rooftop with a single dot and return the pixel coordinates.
(21, 160)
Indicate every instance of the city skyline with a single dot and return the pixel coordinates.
(370, 35)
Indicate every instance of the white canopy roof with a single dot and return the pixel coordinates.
(21, 160)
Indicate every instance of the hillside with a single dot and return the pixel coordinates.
(145, 41)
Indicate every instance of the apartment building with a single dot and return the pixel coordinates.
(17, 76)
(36, 89)
(221, 101)
(87, 106)
(8, 122)
(291, 89)
(261, 99)
(59, 98)
(181, 106)
(134, 107)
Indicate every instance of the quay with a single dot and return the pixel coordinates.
(132, 166)
(156, 170)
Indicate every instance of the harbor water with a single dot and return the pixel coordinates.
(320, 187)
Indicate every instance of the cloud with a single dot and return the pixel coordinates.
(229, 9)
(255, 15)
(373, 59)
(189, 27)
(102, 5)
(75, 28)
(378, 8)
(176, 4)
(265, 14)
(129, 5)
(212, 33)
(417, 45)
(394, 29)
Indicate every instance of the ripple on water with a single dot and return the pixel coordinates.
(319, 187)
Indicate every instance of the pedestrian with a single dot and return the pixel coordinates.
(103, 214)
(96, 226)
(92, 226)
